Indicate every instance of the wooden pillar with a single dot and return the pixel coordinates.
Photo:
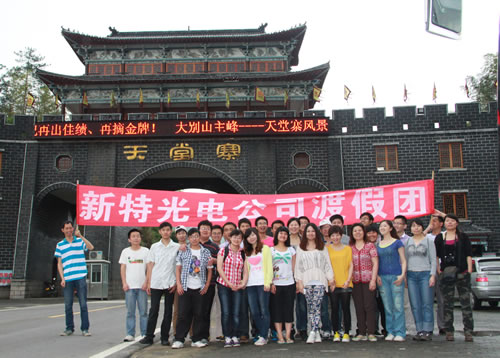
(63, 110)
(122, 68)
(162, 106)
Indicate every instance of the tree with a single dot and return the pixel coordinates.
(482, 87)
(16, 82)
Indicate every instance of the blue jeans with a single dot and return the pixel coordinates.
(326, 324)
(258, 300)
(81, 291)
(136, 297)
(230, 310)
(421, 300)
(301, 312)
(393, 298)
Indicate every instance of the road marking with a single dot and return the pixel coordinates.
(94, 310)
(119, 347)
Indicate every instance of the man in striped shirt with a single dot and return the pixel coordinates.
(70, 254)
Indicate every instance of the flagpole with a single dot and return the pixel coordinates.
(26, 91)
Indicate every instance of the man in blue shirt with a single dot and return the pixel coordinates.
(70, 254)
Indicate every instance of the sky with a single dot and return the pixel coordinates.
(379, 43)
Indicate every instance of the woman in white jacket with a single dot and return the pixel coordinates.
(313, 275)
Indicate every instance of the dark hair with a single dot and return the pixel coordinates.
(418, 222)
(205, 223)
(393, 231)
(454, 217)
(439, 217)
(216, 227)
(282, 229)
(133, 230)
(337, 216)
(304, 217)
(165, 223)
(236, 232)
(66, 223)
(244, 221)
(372, 227)
(292, 220)
(248, 247)
(370, 216)
(193, 231)
(277, 222)
(402, 217)
(261, 218)
(351, 240)
(228, 223)
(335, 229)
(320, 244)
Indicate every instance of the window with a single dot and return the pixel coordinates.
(301, 160)
(450, 155)
(455, 203)
(386, 157)
(64, 163)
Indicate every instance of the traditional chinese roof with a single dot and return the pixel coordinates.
(117, 38)
(317, 73)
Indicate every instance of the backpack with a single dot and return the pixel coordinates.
(226, 252)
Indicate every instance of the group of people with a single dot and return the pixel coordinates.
(287, 280)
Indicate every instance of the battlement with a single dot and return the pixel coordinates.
(412, 119)
(18, 127)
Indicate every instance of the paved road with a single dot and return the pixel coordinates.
(30, 328)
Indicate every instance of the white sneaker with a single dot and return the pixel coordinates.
(128, 338)
(177, 345)
(228, 343)
(317, 339)
(198, 344)
(261, 341)
(312, 337)
(389, 337)
(399, 339)
(236, 341)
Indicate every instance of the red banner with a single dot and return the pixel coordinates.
(107, 206)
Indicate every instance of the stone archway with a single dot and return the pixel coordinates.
(181, 175)
(301, 185)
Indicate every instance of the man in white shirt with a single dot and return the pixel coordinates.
(161, 281)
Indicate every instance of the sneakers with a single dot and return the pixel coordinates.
(426, 336)
(311, 338)
(66, 332)
(450, 337)
(336, 337)
(261, 341)
(372, 338)
(244, 339)
(219, 339)
(468, 337)
(228, 343)
(418, 336)
(86, 333)
(389, 337)
(346, 338)
(128, 338)
(317, 338)
(359, 337)
(198, 344)
(399, 339)
(325, 334)
(177, 345)
(204, 341)
(303, 335)
(146, 340)
(236, 342)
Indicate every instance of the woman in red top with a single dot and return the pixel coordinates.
(230, 284)
(364, 278)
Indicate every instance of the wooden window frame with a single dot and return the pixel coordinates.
(385, 158)
(448, 146)
(453, 196)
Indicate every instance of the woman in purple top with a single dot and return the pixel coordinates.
(391, 273)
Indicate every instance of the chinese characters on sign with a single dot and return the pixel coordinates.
(135, 151)
(182, 151)
(182, 128)
(228, 151)
(127, 207)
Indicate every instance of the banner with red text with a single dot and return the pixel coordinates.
(108, 206)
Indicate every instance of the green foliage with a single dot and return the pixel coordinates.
(17, 81)
(482, 86)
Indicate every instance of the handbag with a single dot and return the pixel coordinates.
(449, 274)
